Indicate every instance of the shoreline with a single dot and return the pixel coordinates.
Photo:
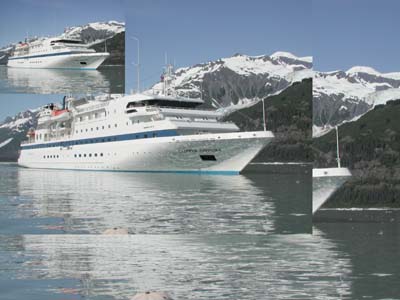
(355, 214)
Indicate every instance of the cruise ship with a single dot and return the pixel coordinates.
(56, 53)
(154, 131)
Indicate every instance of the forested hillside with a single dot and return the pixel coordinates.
(289, 117)
(370, 147)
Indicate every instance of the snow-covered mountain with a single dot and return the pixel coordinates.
(241, 79)
(94, 32)
(341, 96)
(13, 130)
(21, 121)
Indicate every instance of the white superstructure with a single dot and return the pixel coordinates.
(148, 132)
(56, 53)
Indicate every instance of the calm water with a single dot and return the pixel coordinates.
(54, 81)
(340, 261)
(195, 267)
(373, 252)
(50, 201)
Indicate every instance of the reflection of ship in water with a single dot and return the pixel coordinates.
(192, 267)
(57, 81)
(327, 180)
(147, 203)
(54, 81)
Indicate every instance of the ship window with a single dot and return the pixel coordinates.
(74, 155)
(115, 125)
(101, 154)
(84, 155)
(86, 130)
(91, 129)
(102, 127)
(145, 136)
(90, 154)
(44, 156)
(103, 140)
(83, 62)
(97, 128)
(109, 126)
(208, 157)
(154, 134)
(95, 154)
(80, 155)
(137, 136)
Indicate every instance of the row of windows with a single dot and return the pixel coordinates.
(103, 127)
(91, 116)
(89, 155)
(51, 156)
(101, 140)
(75, 155)
(97, 128)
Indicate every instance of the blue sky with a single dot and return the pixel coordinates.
(50, 17)
(356, 32)
(193, 32)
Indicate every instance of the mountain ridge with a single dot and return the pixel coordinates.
(344, 96)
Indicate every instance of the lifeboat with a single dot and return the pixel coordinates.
(60, 114)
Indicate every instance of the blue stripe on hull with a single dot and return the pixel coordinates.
(198, 172)
(104, 139)
(60, 68)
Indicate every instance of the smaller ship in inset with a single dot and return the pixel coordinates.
(327, 180)
(56, 53)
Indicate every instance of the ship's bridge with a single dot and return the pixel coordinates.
(138, 100)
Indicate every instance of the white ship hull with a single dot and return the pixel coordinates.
(81, 61)
(325, 183)
(225, 153)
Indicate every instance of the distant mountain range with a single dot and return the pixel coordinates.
(342, 96)
(237, 82)
(92, 33)
(241, 80)
(95, 32)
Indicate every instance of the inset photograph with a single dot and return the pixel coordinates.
(356, 104)
(54, 48)
(205, 139)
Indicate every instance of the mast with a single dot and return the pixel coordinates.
(138, 62)
(337, 147)
(264, 122)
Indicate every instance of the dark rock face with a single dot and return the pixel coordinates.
(335, 108)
